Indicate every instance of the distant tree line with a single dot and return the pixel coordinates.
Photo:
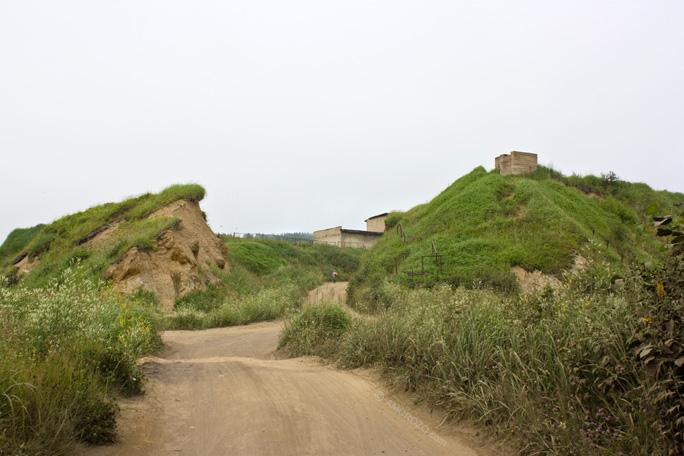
(280, 236)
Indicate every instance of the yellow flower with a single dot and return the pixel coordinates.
(660, 289)
(647, 320)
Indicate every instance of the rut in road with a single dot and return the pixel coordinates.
(223, 392)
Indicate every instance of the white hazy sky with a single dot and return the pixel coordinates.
(302, 115)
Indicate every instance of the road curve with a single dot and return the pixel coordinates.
(223, 392)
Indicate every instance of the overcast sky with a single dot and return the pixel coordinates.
(302, 115)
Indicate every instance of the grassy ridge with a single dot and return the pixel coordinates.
(61, 242)
(485, 223)
(17, 241)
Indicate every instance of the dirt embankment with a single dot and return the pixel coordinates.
(222, 392)
(184, 260)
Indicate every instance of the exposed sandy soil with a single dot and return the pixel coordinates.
(328, 292)
(182, 262)
(223, 392)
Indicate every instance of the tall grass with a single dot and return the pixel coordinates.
(315, 330)
(556, 374)
(67, 350)
(196, 312)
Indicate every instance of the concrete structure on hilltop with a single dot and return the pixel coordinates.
(376, 223)
(516, 163)
(341, 237)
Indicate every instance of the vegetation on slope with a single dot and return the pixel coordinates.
(485, 223)
(58, 244)
(17, 241)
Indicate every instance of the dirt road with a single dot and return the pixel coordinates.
(223, 392)
(328, 292)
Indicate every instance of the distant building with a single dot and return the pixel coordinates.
(516, 163)
(376, 223)
(353, 238)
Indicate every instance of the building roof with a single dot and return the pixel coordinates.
(376, 216)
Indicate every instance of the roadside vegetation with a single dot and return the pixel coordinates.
(590, 369)
(66, 351)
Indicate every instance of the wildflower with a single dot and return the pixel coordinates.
(660, 289)
(647, 320)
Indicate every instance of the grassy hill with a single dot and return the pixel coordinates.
(485, 223)
(59, 243)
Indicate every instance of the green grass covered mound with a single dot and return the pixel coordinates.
(56, 245)
(485, 223)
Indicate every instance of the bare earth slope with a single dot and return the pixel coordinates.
(181, 263)
(222, 392)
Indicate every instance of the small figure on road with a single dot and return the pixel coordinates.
(334, 276)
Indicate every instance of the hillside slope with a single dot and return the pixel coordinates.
(155, 242)
(484, 224)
